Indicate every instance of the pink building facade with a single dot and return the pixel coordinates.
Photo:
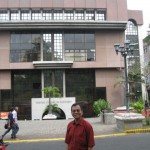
(63, 43)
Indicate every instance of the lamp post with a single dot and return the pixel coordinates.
(126, 49)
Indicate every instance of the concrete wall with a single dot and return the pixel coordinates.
(5, 80)
(107, 78)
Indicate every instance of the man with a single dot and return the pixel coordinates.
(15, 121)
(79, 135)
(11, 124)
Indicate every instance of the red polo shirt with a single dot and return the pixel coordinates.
(79, 136)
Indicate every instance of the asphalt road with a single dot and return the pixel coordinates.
(129, 142)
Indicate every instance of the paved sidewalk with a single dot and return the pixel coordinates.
(54, 128)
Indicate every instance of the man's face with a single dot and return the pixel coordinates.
(76, 112)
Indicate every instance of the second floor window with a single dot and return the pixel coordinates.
(25, 15)
(14, 15)
(3, 15)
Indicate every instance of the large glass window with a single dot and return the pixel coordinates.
(54, 78)
(52, 47)
(79, 46)
(25, 47)
(133, 59)
(47, 47)
(4, 15)
(26, 84)
(83, 91)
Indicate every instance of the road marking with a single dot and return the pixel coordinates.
(35, 140)
(60, 139)
(110, 135)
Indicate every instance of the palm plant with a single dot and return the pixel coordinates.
(52, 91)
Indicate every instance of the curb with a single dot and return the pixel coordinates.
(143, 130)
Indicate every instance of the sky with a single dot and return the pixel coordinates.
(143, 5)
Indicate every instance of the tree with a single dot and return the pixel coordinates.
(51, 91)
(135, 79)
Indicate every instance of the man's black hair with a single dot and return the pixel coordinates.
(75, 104)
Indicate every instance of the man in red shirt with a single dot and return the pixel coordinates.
(79, 135)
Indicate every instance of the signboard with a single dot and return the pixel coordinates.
(39, 104)
(4, 115)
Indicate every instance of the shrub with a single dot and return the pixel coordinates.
(100, 105)
(137, 106)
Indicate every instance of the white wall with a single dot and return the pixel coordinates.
(39, 104)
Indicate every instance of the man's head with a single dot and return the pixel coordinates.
(76, 111)
(16, 108)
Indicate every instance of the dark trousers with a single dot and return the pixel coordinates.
(13, 128)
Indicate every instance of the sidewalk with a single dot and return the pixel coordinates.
(54, 128)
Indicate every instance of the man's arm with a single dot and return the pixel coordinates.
(66, 146)
(89, 148)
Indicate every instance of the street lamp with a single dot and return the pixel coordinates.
(125, 50)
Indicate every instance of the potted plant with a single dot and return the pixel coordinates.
(137, 106)
(100, 107)
(52, 91)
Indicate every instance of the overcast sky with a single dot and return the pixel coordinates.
(143, 5)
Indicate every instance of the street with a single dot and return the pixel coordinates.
(129, 142)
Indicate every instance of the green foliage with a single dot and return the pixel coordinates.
(52, 90)
(54, 108)
(147, 39)
(147, 120)
(100, 105)
(137, 106)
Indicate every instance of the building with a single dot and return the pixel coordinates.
(146, 43)
(63, 43)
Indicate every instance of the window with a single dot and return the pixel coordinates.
(54, 77)
(131, 28)
(47, 15)
(69, 15)
(90, 15)
(36, 14)
(101, 15)
(50, 14)
(58, 47)
(14, 15)
(3, 15)
(52, 47)
(25, 47)
(47, 47)
(25, 15)
(79, 15)
(79, 46)
(58, 15)
(80, 83)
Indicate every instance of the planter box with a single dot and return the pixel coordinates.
(127, 121)
(108, 118)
